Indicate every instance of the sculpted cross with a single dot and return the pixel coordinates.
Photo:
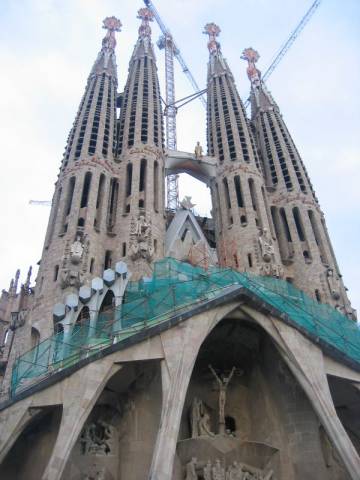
(223, 382)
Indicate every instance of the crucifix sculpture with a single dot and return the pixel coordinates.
(223, 382)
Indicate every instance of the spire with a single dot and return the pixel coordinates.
(260, 96)
(94, 128)
(146, 16)
(141, 116)
(213, 31)
(28, 280)
(235, 141)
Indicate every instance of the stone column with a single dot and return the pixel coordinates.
(306, 362)
(81, 392)
(181, 346)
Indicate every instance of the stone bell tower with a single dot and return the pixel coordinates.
(238, 194)
(140, 153)
(299, 224)
(77, 240)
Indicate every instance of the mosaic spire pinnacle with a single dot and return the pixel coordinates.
(112, 25)
(213, 31)
(252, 56)
(146, 16)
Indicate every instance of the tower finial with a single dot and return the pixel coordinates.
(252, 56)
(146, 16)
(213, 31)
(112, 25)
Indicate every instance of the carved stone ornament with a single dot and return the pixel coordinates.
(76, 251)
(141, 239)
(334, 284)
(266, 246)
(71, 278)
(97, 438)
(198, 151)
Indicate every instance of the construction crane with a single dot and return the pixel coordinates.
(44, 203)
(167, 43)
(286, 46)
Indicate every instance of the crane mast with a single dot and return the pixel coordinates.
(286, 46)
(167, 43)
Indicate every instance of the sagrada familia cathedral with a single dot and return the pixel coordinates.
(160, 345)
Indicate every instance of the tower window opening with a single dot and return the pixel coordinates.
(107, 261)
(56, 272)
(298, 224)
(253, 194)
(141, 203)
(317, 236)
(155, 244)
(81, 222)
(91, 269)
(128, 179)
(113, 200)
(156, 186)
(70, 195)
(124, 249)
(236, 261)
(307, 256)
(230, 424)
(99, 201)
(250, 262)
(227, 193)
(142, 179)
(86, 190)
(54, 212)
(285, 225)
(243, 220)
(317, 295)
(240, 200)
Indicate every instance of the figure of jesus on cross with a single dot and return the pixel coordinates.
(223, 382)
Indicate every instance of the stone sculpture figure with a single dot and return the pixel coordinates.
(191, 470)
(196, 412)
(223, 383)
(218, 472)
(198, 151)
(204, 425)
(207, 471)
(266, 245)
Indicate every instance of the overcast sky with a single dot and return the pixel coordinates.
(47, 48)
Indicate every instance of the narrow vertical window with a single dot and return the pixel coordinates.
(240, 200)
(124, 249)
(142, 178)
(91, 269)
(86, 190)
(252, 194)
(107, 261)
(99, 201)
(298, 224)
(227, 193)
(318, 296)
(68, 203)
(56, 272)
(113, 200)
(250, 262)
(317, 236)
(128, 179)
(156, 186)
(70, 195)
(285, 225)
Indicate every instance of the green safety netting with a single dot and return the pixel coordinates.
(176, 287)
